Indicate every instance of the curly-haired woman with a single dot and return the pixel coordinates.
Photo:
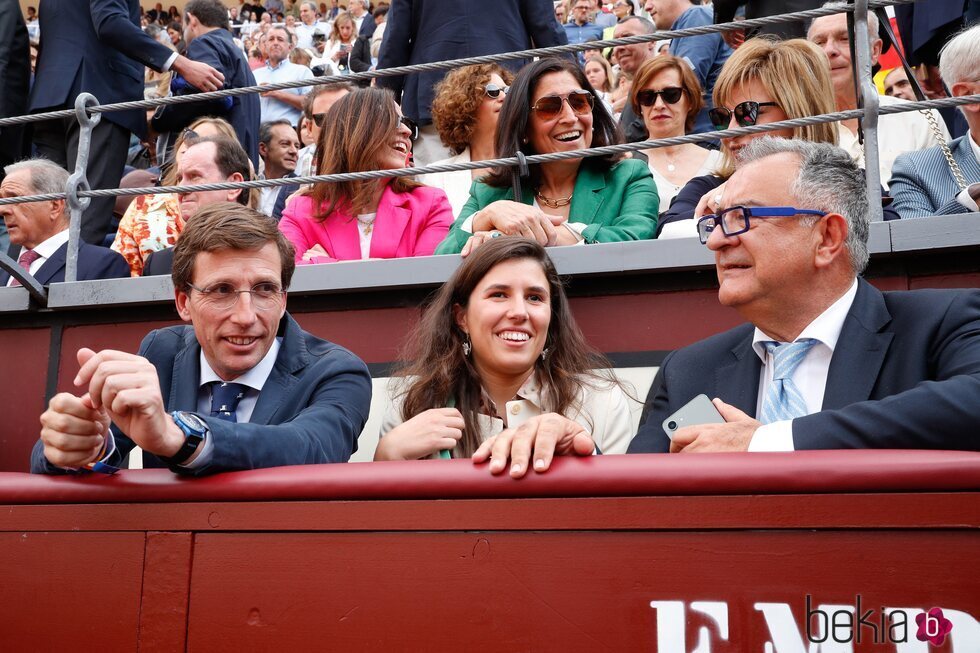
(465, 111)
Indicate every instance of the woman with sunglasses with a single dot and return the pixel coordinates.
(667, 95)
(377, 218)
(497, 347)
(764, 81)
(465, 111)
(550, 108)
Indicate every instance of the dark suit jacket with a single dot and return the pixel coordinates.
(95, 47)
(905, 375)
(218, 50)
(158, 263)
(93, 263)
(422, 31)
(311, 410)
(15, 71)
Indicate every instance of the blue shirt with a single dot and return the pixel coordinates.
(582, 33)
(705, 54)
(273, 109)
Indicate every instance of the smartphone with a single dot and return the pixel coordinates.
(699, 410)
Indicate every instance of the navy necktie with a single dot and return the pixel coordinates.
(225, 398)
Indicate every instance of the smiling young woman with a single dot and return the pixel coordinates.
(386, 218)
(552, 107)
(497, 347)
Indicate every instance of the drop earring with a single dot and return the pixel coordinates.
(467, 347)
(544, 353)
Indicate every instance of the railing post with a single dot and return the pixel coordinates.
(78, 181)
(869, 96)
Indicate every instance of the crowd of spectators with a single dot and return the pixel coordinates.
(597, 97)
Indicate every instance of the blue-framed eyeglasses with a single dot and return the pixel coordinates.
(737, 219)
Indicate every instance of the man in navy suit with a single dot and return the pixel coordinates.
(864, 369)
(209, 41)
(922, 182)
(241, 387)
(98, 47)
(39, 230)
(438, 30)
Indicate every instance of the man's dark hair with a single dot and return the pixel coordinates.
(265, 129)
(320, 90)
(211, 13)
(224, 226)
(230, 158)
(380, 10)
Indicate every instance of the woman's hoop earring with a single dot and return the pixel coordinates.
(467, 347)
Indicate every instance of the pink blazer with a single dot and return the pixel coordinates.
(407, 224)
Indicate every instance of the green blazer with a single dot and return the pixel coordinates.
(618, 204)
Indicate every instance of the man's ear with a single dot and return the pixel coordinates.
(182, 300)
(832, 230)
(459, 315)
(235, 192)
(959, 89)
(875, 50)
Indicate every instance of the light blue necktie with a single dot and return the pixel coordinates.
(783, 399)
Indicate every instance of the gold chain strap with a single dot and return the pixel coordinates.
(954, 167)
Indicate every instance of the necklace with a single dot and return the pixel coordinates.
(553, 203)
(367, 220)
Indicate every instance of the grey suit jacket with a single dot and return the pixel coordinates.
(923, 185)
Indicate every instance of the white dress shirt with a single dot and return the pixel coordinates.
(811, 375)
(44, 251)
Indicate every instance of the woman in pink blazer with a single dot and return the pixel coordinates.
(386, 218)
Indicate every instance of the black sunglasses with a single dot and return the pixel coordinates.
(493, 91)
(670, 95)
(189, 134)
(746, 114)
(318, 118)
(549, 106)
(411, 126)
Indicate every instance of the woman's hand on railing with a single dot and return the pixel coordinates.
(541, 437)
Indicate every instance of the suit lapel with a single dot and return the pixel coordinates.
(737, 382)
(187, 375)
(968, 163)
(390, 223)
(344, 242)
(292, 358)
(55, 263)
(860, 350)
(587, 197)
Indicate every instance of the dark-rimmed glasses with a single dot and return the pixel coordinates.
(493, 91)
(737, 219)
(318, 118)
(223, 296)
(412, 127)
(746, 114)
(549, 106)
(670, 95)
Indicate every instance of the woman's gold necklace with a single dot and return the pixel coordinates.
(553, 203)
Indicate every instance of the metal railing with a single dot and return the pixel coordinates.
(88, 112)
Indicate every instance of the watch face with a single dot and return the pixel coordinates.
(193, 421)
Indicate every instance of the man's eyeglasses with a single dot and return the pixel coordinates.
(408, 122)
(746, 114)
(670, 95)
(549, 106)
(318, 118)
(736, 220)
(223, 296)
(493, 91)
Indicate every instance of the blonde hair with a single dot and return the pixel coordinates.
(796, 75)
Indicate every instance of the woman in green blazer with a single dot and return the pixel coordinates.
(551, 108)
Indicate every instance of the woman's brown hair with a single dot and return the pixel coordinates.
(458, 96)
(356, 130)
(439, 371)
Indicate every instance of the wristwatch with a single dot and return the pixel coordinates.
(195, 430)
